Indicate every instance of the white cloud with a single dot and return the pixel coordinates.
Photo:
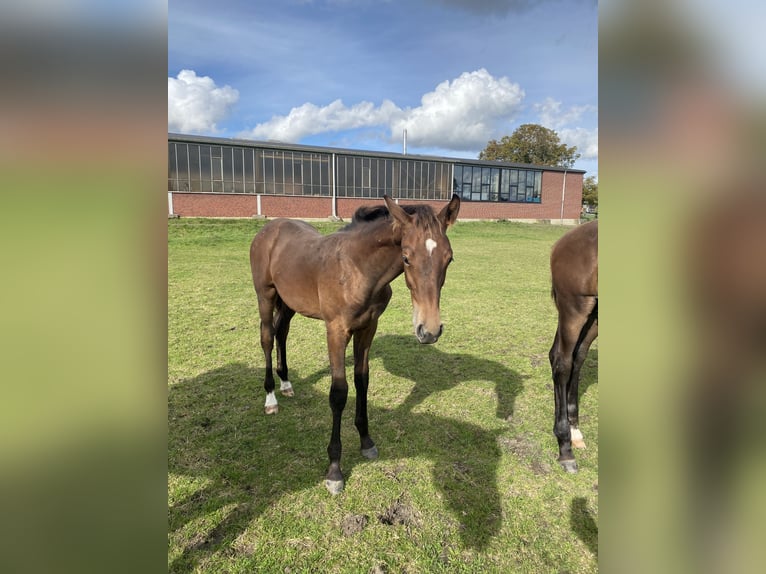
(462, 115)
(586, 141)
(196, 104)
(310, 119)
(554, 117)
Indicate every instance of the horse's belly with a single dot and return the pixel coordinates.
(300, 296)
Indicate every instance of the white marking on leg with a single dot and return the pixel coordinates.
(430, 246)
(577, 439)
(271, 405)
(286, 388)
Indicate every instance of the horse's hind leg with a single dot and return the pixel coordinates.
(282, 318)
(266, 299)
(589, 333)
(561, 356)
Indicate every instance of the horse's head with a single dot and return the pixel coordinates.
(426, 253)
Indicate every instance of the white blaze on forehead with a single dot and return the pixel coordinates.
(430, 245)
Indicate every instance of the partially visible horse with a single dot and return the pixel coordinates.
(574, 277)
(343, 279)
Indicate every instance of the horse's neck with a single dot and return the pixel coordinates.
(381, 258)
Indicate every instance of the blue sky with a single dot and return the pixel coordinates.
(356, 73)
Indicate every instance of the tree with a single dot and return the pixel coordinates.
(590, 191)
(531, 143)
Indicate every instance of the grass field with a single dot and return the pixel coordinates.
(467, 479)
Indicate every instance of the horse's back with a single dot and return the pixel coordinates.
(280, 234)
(283, 256)
(583, 239)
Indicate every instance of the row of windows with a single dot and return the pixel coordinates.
(411, 179)
(226, 169)
(477, 183)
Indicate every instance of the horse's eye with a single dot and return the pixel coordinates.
(406, 260)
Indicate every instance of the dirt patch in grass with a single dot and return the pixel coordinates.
(527, 450)
(399, 513)
(353, 524)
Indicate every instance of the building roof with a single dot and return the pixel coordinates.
(271, 144)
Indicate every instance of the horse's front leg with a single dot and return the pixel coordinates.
(362, 343)
(337, 340)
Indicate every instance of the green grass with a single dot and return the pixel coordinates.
(467, 479)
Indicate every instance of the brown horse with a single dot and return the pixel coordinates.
(343, 279)
(574, 275)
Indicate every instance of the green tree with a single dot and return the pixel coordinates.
(590, 191)
(531, 143)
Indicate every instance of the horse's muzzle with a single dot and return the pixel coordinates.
(427, 337)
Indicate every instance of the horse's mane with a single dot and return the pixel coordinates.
(369, 214)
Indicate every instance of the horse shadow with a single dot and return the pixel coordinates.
(583, 524)
(218, 437)
(437, 371)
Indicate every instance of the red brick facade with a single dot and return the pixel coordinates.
(236, 205)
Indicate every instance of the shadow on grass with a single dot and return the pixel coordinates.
(217, 433)
(584, 525)
(435, 371)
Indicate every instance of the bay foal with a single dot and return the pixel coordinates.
(343, 279)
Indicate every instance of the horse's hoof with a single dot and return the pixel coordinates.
(286, 388)
(577, 439)
(569, 465)
(334, 487)
(271, 409)
(370, 453)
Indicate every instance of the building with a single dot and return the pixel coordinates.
(221, 177)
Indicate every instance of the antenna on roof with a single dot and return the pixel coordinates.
(404, 142)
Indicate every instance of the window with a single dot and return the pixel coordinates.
(172, 171)
(288, 177)
(480, 183)
(194, 168)
(248, 160)
(182, 166)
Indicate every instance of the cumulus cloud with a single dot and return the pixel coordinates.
(196, 104)
(553, 116)
(310, 119)
(586, 141)
(461, 115)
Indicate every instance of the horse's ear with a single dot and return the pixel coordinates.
(396, 211)
(448, 215)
